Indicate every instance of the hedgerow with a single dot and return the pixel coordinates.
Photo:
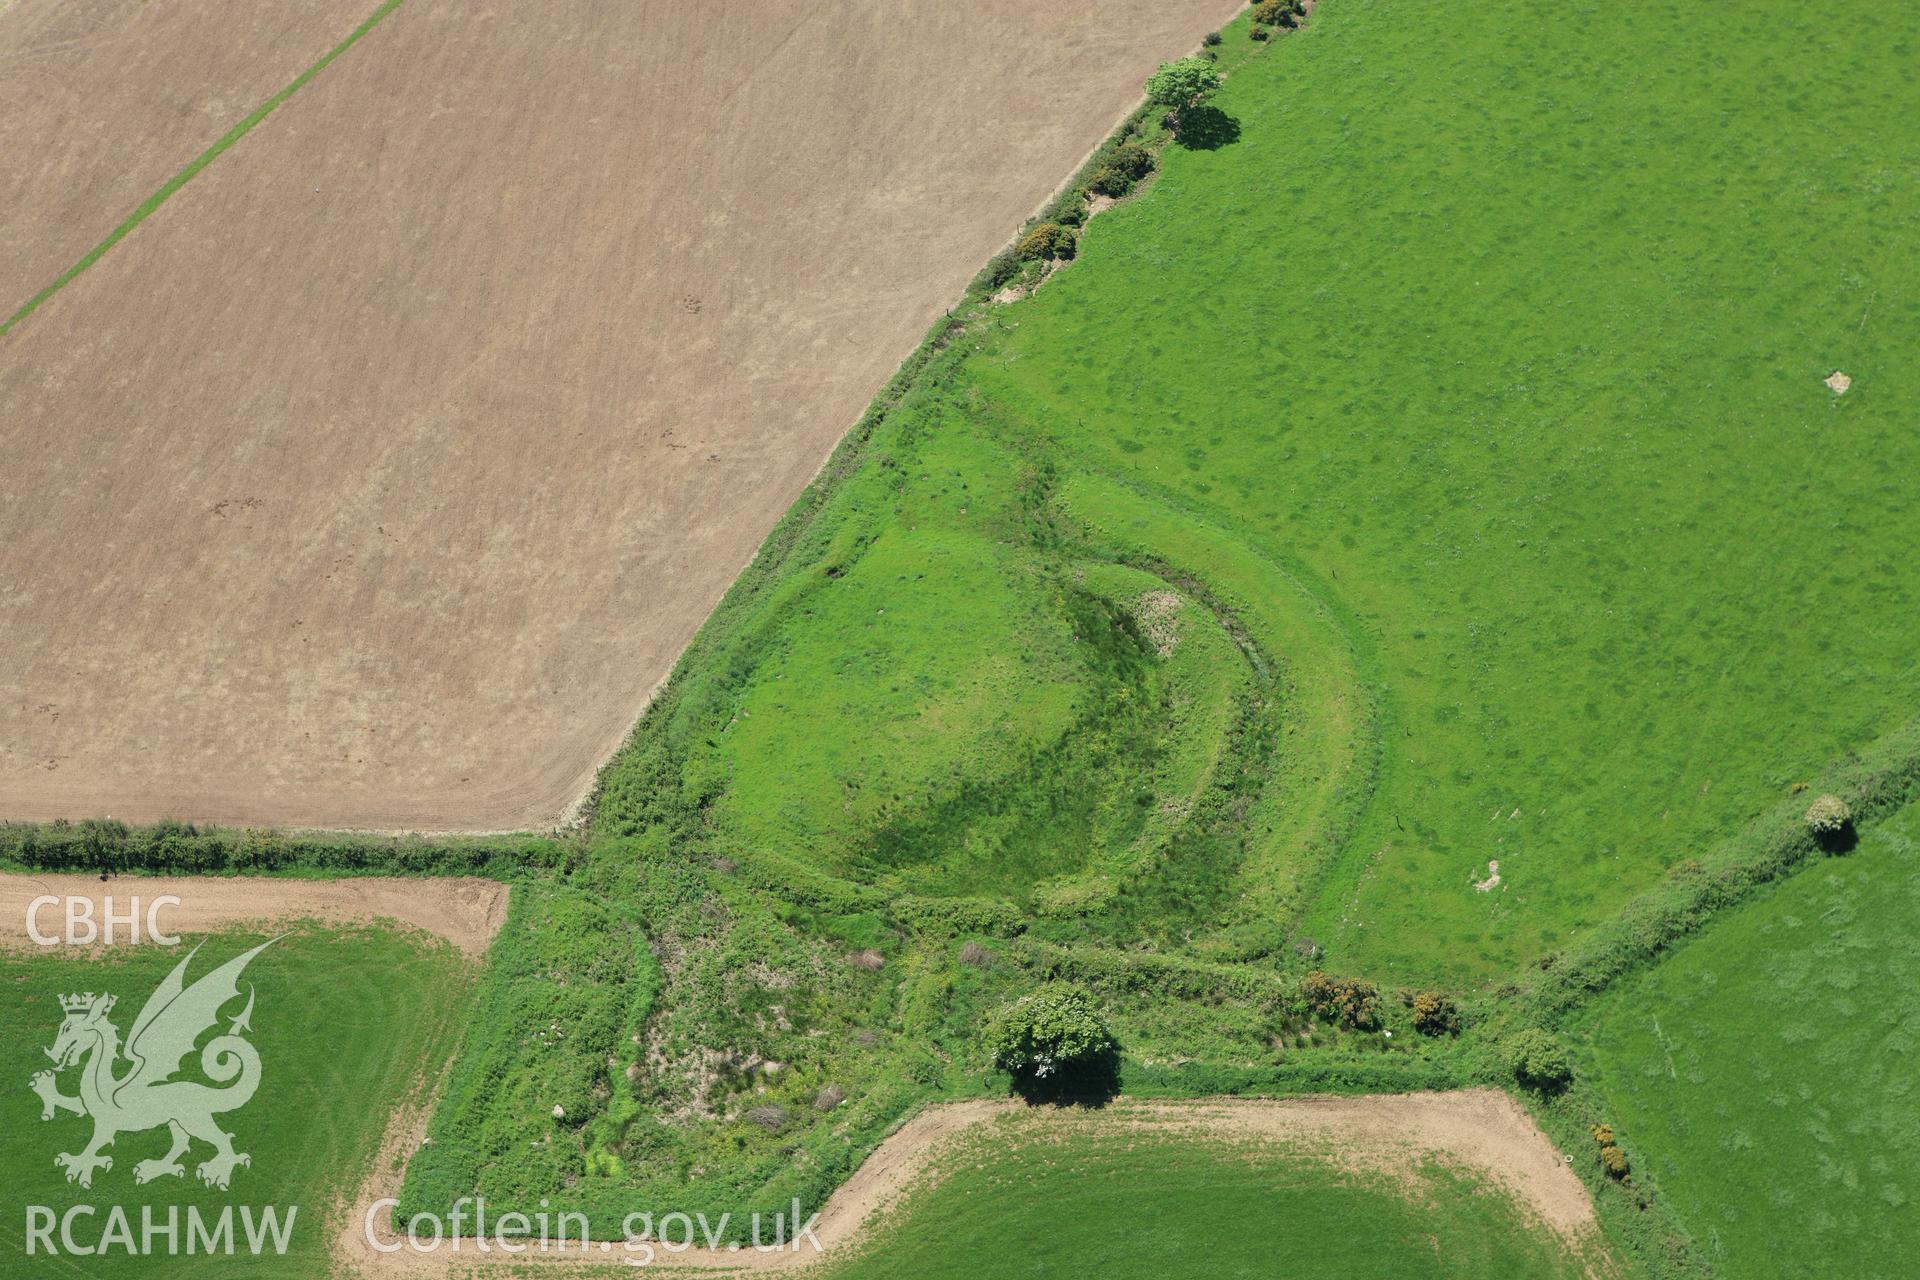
(1875, 781)
(177, 848)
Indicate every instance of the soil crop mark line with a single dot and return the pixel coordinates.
(198, 163)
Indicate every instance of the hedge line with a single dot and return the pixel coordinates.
(1874, 781)
(1110, 972)
(1315, 1075)
(178, 848)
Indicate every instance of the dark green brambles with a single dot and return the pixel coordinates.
(1537, 1059)
(1435, 1014)
(1285, 14)
(1131, 159)
(1109, 182)
(1347, 1001)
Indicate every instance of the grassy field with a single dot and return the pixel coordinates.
(1523, 506)
(346, 1022)
(1761, 1073)
(1127, 1206)
(1558, 446)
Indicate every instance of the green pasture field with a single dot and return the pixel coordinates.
(1763, 1073)
(1122, 1206)
(1475, 391)
(347, 1023)
(1503, 331)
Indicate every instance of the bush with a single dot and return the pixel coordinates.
(1258, 33)
(1614, 1160)
(1000, 268)
(1279, 13)
(1109, 182)
(1212, 38)
(1047, 240)
(1537, 1060)
(1055, 1042)
(1434, 1014)
(1347, 1001)
(1828, 815)
(1131, 159)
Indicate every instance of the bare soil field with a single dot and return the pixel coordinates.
(378, 478)
(1480, 1130)
(466, 912)
(102, 100)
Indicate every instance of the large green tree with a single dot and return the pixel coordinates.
(1182, 84)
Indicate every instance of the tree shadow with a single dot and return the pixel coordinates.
(1093, 1083)
(1206, 128)
(1549, 1088)
(1840, 841)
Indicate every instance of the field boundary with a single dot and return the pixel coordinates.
(1738, 869)
(194, 166)
(177, 848)
(1874, 781)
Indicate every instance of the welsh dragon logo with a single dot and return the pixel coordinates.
(146, 1095)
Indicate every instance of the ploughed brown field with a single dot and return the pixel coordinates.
(101, 101)
(378, 478)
